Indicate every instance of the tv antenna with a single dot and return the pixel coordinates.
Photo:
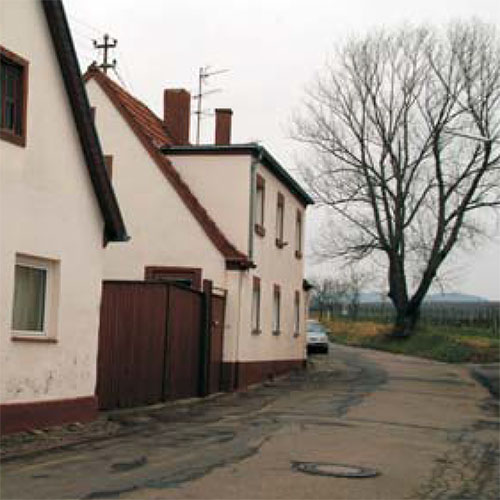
(204, 74)
(108, 43)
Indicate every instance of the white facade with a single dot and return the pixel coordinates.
(49, 217)
(216, 177)
(165, 233)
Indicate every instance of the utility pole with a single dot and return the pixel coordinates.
(203, 75)
(106, 45)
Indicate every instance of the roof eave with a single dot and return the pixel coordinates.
(115, 229)
(239, 264)
(253, 149)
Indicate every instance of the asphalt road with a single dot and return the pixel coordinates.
(427, 428)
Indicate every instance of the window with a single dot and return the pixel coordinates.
(34, 296)
(13, 97)
(276, 309)
(259, 206)
(256, 305)
(296, 314)
(298, 235)
(280, 217)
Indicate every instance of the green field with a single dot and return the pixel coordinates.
(442, 343)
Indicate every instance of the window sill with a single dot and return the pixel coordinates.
(260, 230)
(298, 254)
(296, 334)
(256, 332)
(9, 136)
(276, 332)
(32, 338)
(280, 243)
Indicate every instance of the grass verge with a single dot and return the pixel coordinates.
(442, 343)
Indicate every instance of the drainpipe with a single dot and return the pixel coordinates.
(253, 189)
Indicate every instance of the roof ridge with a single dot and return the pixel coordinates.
(200, 213)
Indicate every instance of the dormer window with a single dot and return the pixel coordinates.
(13, 97)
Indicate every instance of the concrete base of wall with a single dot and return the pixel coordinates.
(16, 417)
(239, 375)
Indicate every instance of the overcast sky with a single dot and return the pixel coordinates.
(272, 49)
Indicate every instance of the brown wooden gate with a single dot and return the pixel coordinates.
(183, 343)
(153, 343)
(132, 334)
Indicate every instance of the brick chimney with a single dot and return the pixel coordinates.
(223, 126)
(176, 114)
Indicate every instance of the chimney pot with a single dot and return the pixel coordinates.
(176, 114)
(223, 126)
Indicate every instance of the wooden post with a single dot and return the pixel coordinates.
(205, 344)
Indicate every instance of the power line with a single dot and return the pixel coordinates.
(120, 79)
(76, 34)
(123, 65)
(87, 25)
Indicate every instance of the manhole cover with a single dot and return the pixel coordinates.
(334, 470)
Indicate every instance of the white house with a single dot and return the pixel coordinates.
(57, 210)
(228, 213)
(262, 209)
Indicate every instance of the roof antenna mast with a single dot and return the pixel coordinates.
(203, 76)
(108, 43)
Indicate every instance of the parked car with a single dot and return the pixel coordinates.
(317, 338)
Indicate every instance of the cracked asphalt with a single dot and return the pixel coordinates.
(428, 428)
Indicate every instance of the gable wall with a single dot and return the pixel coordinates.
(222, 184)
(163, 231)
(47, 209)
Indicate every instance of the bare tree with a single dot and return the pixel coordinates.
(340, 293)
(406, 127)
(325, 294)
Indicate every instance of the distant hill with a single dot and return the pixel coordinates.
(375, 297)
(454, 297)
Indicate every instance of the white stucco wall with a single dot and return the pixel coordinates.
(163, 231)
(222, 184)
(277, 266)
(48, 209)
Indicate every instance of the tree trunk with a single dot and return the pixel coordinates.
(406, 322)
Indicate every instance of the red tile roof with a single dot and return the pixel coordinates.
(150, 131)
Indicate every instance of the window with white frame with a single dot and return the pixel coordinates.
(276, 309)
(296, 313)
(33, 296)
(256, 305)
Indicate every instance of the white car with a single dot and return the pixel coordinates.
(317, 339)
